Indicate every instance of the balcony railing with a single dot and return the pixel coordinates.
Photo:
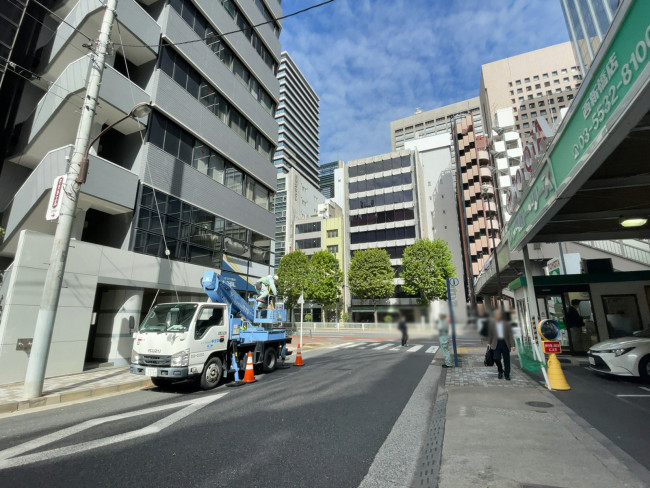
(624, 250)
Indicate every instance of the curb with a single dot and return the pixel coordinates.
(72, 396)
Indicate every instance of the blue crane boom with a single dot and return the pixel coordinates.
(219, 290)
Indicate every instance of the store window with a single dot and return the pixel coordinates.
(622, 315)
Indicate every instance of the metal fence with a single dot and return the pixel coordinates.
(622, 249)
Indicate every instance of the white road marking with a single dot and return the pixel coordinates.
(644, 388)
(341, 345)
(432, 350)
(8, 459)
(395, 348)
(415, 348)
(381, 347)
(369, 345)
(637, 396)
(355, 344)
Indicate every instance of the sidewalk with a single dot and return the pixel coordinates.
(514, 434)
(71, 388)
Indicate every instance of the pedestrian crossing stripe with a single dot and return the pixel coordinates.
(415, 348)
(355, 344)
(395, 348)
(341, 345)
(381, 347)
(432, 350)
(365, 346)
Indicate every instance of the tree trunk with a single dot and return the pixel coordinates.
(374, 303)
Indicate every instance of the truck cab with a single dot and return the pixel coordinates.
(175, 340)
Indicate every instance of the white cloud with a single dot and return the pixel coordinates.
(372, 62)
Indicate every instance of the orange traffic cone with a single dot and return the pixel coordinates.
(249, 375)
(298, 358)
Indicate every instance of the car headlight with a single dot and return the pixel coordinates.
(181, 358)
(617, 352)
(135, 357)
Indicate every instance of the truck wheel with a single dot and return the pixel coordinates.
(212, 373)
(161, 383)
(270, 360)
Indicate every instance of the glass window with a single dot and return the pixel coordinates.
(157, 129)
(234, 179)
(172, 139)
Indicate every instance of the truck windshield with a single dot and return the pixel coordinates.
(174, 317)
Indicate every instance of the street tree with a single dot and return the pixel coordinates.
(425, 267)
(371, 276)
(293, 272)
(325, 278)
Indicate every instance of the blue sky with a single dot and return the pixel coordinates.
(374, 61)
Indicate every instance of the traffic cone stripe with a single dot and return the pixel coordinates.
(249, 375)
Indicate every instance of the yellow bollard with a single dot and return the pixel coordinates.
(556, 377)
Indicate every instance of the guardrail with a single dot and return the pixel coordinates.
(621, 249)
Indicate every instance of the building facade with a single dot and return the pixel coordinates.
(383, 213)
(533, 84)
(187, 189)
(433, 122)
(587, 23)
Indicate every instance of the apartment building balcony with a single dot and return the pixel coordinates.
(483, 156)
(57, 113)
(84, 17)
(110, 190)
(486, 174)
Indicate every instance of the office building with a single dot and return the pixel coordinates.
(384, 213)
(297, 116)
(433, 122)
(588, 22)
(325, 231)
(535, 84)
(186, 189)
(296, 198)
(479, 227)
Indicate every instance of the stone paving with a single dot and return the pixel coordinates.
(472, 372)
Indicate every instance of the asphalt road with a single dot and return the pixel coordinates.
(618, 407)
(319, 426)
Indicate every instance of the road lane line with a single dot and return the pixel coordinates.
(415, 348)
(8, 459)
(341, 345)
(381, 347)
(432, 350)
(637, 396)
(644, 388)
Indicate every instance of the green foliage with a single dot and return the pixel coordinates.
(2, 233)
(425, 267)
(325, 277)
(371, 275)
(292, 276)
(388, 319)
(308, 317)
(345, 316)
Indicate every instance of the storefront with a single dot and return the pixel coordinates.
(590, 308)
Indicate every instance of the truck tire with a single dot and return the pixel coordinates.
(212, 373)
(270, 360)
(161, 383)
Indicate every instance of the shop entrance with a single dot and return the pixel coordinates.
(574, 312)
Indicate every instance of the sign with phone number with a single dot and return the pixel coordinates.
(626, 58)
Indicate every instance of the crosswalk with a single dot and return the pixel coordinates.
(386, 346)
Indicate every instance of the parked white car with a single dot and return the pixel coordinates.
(624, 356)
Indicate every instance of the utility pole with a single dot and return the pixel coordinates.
(37, 364)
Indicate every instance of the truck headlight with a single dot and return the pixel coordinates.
(135, 357)
(181, 358)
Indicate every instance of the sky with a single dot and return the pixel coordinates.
(375, 61)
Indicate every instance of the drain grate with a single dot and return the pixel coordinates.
(429, 463)
(538, 405)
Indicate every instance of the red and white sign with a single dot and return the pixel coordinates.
(56, 198)
(552, 347)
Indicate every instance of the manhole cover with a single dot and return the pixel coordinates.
(539, 404)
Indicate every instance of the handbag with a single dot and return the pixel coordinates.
(489, 357)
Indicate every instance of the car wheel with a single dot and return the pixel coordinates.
(644, 368)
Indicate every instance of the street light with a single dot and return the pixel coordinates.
(142, 109)
(485, 194)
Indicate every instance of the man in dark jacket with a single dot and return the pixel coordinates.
(402, 328)
(501, 341)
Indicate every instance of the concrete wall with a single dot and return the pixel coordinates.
(88, 266)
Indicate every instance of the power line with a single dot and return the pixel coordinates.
(217, 36)
(62, 20)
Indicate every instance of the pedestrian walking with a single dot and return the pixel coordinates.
(501, 341)
(401, 326)
(442, 324)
